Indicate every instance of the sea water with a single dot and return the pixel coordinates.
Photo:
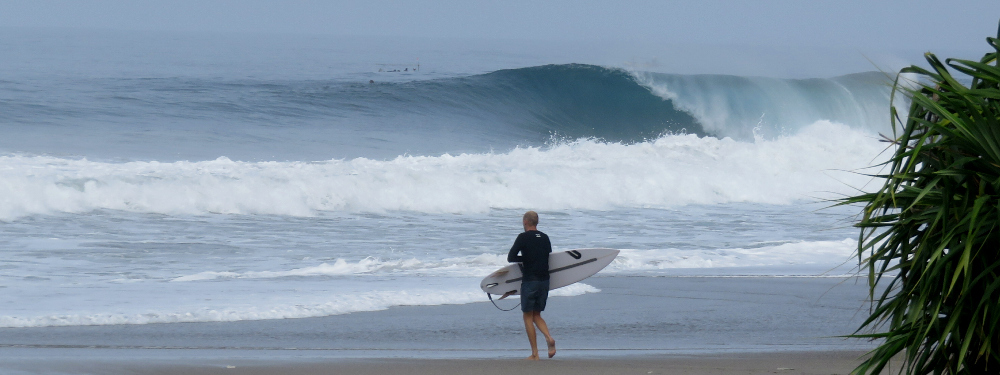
(163, 178)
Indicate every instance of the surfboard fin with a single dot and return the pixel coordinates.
(505, 295)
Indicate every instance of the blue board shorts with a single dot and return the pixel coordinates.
(533, 295)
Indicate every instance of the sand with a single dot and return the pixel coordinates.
(818, 363)
(635, 325)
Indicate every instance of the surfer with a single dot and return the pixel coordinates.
(534, 248)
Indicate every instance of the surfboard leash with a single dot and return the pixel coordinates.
(498, 307)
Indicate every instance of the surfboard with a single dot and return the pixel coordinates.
(565, 268)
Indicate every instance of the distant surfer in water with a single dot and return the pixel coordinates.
(534, 248)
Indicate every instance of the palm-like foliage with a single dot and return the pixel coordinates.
(930, 237)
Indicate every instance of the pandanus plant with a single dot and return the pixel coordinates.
(930, 236)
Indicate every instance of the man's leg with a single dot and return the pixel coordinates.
(529, 326)
(549, 341)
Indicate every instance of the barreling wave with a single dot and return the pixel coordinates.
(587, 101)
(525, 105)
(750, 108)
(612, 104)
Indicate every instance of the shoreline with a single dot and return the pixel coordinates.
(810, 363)
(631, 319)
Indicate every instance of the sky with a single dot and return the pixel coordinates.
(807, 31)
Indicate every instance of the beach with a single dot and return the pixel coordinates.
(686, 325)
(811, 363)
(236, 203)
(282, 187)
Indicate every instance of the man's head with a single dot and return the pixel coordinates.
(530, 220)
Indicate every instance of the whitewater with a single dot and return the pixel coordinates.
(217, 190)
(671, 171)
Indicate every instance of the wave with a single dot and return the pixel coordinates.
(524, 106)
(671, 171)
(770, 259)
(458, 266)
(373, 284)
(587, 101)
(577, 100)
(331, 304)
(797, 258)
(750, 108)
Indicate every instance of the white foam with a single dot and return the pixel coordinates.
(670, 171)
(797, 257)
(456, 266)
(335, 305)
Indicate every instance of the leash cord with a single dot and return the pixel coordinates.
(498, 307)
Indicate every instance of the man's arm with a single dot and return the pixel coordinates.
(512, 256)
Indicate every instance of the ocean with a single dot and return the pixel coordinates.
(181, 178)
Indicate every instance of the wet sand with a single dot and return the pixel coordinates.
(818, 363)
(676, 325)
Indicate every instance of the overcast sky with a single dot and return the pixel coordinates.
(867, 27)
(906, 24)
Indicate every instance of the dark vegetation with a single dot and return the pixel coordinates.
(930, 236)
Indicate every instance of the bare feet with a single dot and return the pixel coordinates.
(532, 358)
(552, 347)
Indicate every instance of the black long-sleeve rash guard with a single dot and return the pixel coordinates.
(534, 247)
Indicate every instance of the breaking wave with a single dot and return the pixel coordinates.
(670, 171)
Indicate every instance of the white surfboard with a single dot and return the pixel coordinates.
(565, 267)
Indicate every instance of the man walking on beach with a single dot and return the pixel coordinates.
(534, 247)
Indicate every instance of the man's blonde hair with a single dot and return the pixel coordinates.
(531, 217)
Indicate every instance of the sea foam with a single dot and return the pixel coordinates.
(326, 306)
(670, 171)
(798, 258)
(825, 255)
